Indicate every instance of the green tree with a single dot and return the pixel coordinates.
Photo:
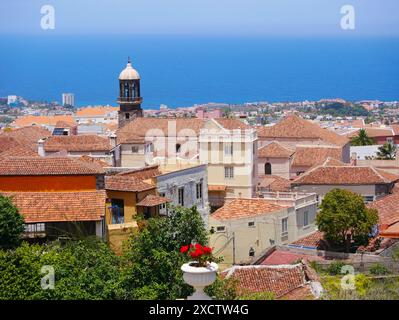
(344, 219)
(153, 257)
(86, 270)
(386, 152)
(11, 224)
(362, 139)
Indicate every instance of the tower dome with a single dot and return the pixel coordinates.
(129, 73)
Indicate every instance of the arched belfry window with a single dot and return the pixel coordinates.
(268, 168)
(126, 90)
(178, 148)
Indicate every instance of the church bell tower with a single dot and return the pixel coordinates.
(129, 95)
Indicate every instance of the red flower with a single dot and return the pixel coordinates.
(194, 254)
(207, 250)
(184, 249)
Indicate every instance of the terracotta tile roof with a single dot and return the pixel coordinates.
(279, 280)
(278, 257)
(18, 151)
(216, 187)
(144, 173)
(274, 150)
(375, 132)
(65, 124)
(390, 232)
(275, 183)
(332, 162)
(140, 127)
(312, 240)
(310, 156)
(95, 111)
(126, 183)
(336, 175)
(59, 206)
(243, 208)
(26, 121)
(388, 208)
(98, 162)
(152, 201)
(295, 127)
(77, 143)
(28, 136)
(45, 166)
(232, 124)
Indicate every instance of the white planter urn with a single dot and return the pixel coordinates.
(199, 278)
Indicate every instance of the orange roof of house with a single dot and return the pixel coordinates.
(59, 206)
(96, 161)
(388, 208)
(77, 143)
(126, 183)
(95, 111)
(144, 173)
(65, 124)
(275, 183)
(280, 280)
(242, 208)
(295, 127)
(26, 121)
(312, 240)
(46, 166)
(336, 175)
(374, 132)
(153, 200)
(274, 150)
(310, 156)
(139, 128)
(232, 124)
(18, 151)
(27, 136)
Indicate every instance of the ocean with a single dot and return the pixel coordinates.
(181, 71)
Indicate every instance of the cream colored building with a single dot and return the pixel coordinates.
(244, 228)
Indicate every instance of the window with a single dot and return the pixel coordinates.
(306, 218)
(162, 205)
(251, 224)
(268, 168)
(252, 252)
(229, 172)
(178, 148)
(228, 149)
(284, 226)
(181, 196)
(135, 149)
(221, 229)
(34, 227)
(149, 148)
(127, 116)
(368, 198)
(199, 191)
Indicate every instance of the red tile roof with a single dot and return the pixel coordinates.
(139, 128)
(310, 156)
(295, 127)
(275, 183)
(27, 136)
(232, 124)
(336, 175)
(144, 173)
(313, 240)
(59, 206)
(278, 257)
(274, 150)
(388, 208)
(279, 280)
(18, 151)
(374, 132)
(243, 208)
(126, 183)
(46, 166)
(153, 200)
(89, 143)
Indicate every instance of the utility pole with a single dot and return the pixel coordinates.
(234, 248)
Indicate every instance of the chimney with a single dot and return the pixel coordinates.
(112, 140)
(40, 148)
(354, 159)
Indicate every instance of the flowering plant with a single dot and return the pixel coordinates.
(201, 254)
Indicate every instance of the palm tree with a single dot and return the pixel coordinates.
(387, 152)
(362, 139)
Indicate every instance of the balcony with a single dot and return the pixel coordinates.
(291, 198)
(130, 100)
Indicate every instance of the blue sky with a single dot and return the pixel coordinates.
(201, 17)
